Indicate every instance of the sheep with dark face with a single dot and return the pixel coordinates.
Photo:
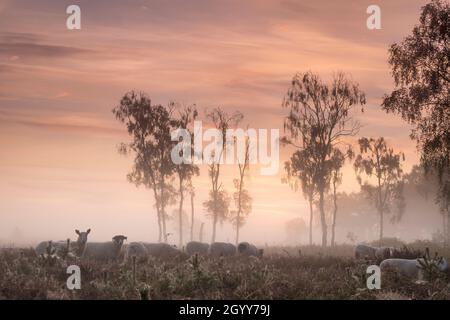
(412, 268)
(194, 247)
(104, 251)
(219, 249)
(77, 247)
(247, 249)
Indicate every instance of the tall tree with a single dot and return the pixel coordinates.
(242, 198)
(378, 161)
(320, 117)
(421, 70)
(301, 168)
(218, 203)
(149, 126)
(185, 171)
(191, 191)
(337, 162)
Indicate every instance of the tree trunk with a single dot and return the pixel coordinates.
(213, 238)
(310, 220)
(333, 225)
(322, 217)
(163, 214)
(237, 232)
(200, 234)
(158, 214)
(181, 213)
(381, 225)
(192, 216)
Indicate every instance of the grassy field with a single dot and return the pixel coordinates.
(284, 273)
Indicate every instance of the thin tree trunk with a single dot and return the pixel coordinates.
(181, 212)
(213, 238)
(333, 226)
(192, 216)
(310, 221)
(322, 217)
(200, 233)
(158, 214)
(163, 214)
(380, 204)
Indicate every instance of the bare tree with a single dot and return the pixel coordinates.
(218, 202)
(377, 160)
(149, 126)
(318, 120)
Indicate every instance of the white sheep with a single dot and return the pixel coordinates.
(136, 249)
(194, 247)
(218, 249)
(247, 249)
(411, 268)
(77, 247)
(104, 251)
(161, 250)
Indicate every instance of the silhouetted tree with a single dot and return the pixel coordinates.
(301, 168)
(337, 162)
(185, 171)
(377, 160)
(218, 203)
(191, 191)
(421, 70)
(320, 117)
(149, 126)
(242, 198)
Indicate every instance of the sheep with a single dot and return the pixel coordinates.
(384, 253)
(411, 268)
(161, 250)
(194, 247)
(104, 251)
(365, 251)
(247, 249)
(136, 249)
(217, 249)
(78, 247)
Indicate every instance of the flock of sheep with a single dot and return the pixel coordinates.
(116, 250)
(411, 268)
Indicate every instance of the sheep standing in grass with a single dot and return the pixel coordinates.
(218, 249)
(365, 251)
(161, 250)
(194, 247)
(384, 253)
(136, 249)
(77, 247)
(412, 268)
(104, 251)
(247, 249)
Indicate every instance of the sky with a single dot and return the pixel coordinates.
(59, 165)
